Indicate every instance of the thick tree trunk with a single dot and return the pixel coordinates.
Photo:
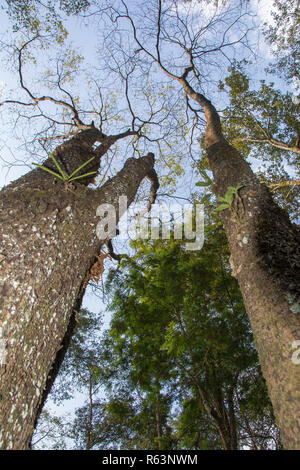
(265, 253)
(265, 259)
(48, 245)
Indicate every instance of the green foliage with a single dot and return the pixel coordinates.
(284, 37)
(179, 325)
(256, 116)
(207, 180)
(34, 16)
(179, 343)
(61, 175)
(264, 123)
(228, 198)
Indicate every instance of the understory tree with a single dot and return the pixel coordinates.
(264, 123)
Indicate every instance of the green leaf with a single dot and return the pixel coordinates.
(231, 190)
(205, 198)
(203, 183)
(204, 175)
(229, 198)
(49, 171)
(58, 167)
(80, 167)
(82, 176)
(222, 207)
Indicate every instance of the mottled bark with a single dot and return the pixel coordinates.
(265, 250)
(48, 244)
(265, 255)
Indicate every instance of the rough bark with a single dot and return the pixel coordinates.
(224, 418)
(265, 250)
(48, 245)
(265, 255)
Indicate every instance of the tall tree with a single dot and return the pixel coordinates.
(49, 244)
(48, 247)
(283, 36)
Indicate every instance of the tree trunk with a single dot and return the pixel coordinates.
(265, 255)
(48, 245)
(264, 248)
(89, 430)
(223, 417)
(225, 426)
(158, 425)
